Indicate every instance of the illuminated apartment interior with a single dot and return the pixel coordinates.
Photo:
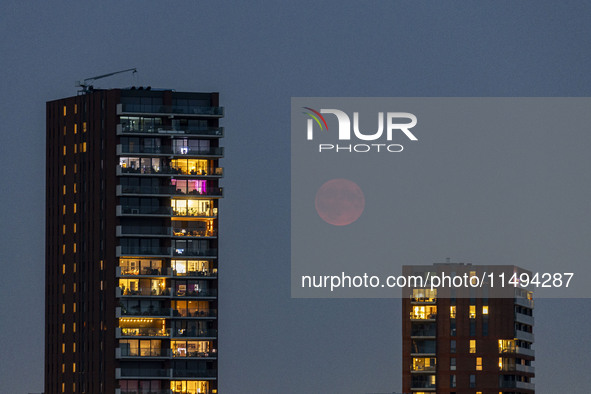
(132, 213)
(467, 341)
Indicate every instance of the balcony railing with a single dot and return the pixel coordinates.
(422, 368)
(137, 352)
(190, 354)
(195, 252)
(142, 250)
(169, 150)
(192, 373)
(207, 274)
(170, 109)
(193, 232)
(141, 210)
(169, 190)
(165, 170)
(194, 333)
(421, 384)
(142, 372)
(423, 316)
(145, 391)
(200, 293)
(160, 129)
(195, 212)
(142, 332)
(143, 292)
(142, 230)
(194, 313)
(147, 312)
(522, 318)
(524, 335)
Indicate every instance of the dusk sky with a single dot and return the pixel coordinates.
(259, 55)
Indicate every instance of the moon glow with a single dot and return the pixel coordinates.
(340, 202)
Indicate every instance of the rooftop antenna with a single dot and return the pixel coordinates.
(87, 86)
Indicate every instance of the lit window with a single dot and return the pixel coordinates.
(74, 228)
(74, 247)
(472, 273)
(75, 188)
(452, 312)
(479, 363)
(63, 384)
(64, 170)
(75, 207)
(64, 130)
(500, 363)
(75, 129)
(74, 267)
(64, 288)
(64, 150)
(64, 110)
(84, 147)
(63, 328)
(64, 309)
(75, 108)
(63, 347)
(74, 307)
(75, 148)
(74, 347)
(472, 311)
(74, 288)
(472, 346)
(74, 327)
(64, 250)
(63, 368)
(75, 168)
(64, 229)
(64, 210)
(64, 190)
(485, 309)
(63, 268)
(84, 127)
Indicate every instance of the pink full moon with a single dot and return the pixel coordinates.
(340, 202)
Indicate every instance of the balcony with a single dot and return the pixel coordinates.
(142, 271)
(422, 368)
(168, 191)
(164, 150)
(525, 368)
(142, 292)
(192, 374)
(207, 253)
(214, 172)
(142, 231)
(526, 319)
(423, 316)
(202, 293)
(524, 302)
(517, 350)
(170, 110)
(152, 332)
(178, 231)
(147, 313)
(144, 211)
(423, 385)
(517, 385)
(194, 333)
(194, 313)
(151, 129)
(523, 335)
(212, 354)
(144, 391)
(121, 373)
(142, 353)
(195, 212)
(160, 251)
(196, 274)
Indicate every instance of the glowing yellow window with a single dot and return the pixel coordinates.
(64, 229)
(74, 267)
(64, 251)
(75, 207)
(74, 307)
(75, 188)
(75, 129)
(64, 190)
(63, 328)
(84, 147)
(63, 268)
(64, 110)
(75, 168)
(75, 108)
(74, 228)
(63, 347)
(74, 288)
(479, 363)
(84, 127)
(63, 384)
(64, 170)
(64, 150)
(74, 327)
(500, 363)
(64, 209)
(75, 148)
(452, 312)
(74, 247)
(63, 368)
(64, 309)
(472, 346)
(472, 311)
(485, 309)
(74, 347)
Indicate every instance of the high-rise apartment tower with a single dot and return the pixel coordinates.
(132, 242)
(462, 340)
